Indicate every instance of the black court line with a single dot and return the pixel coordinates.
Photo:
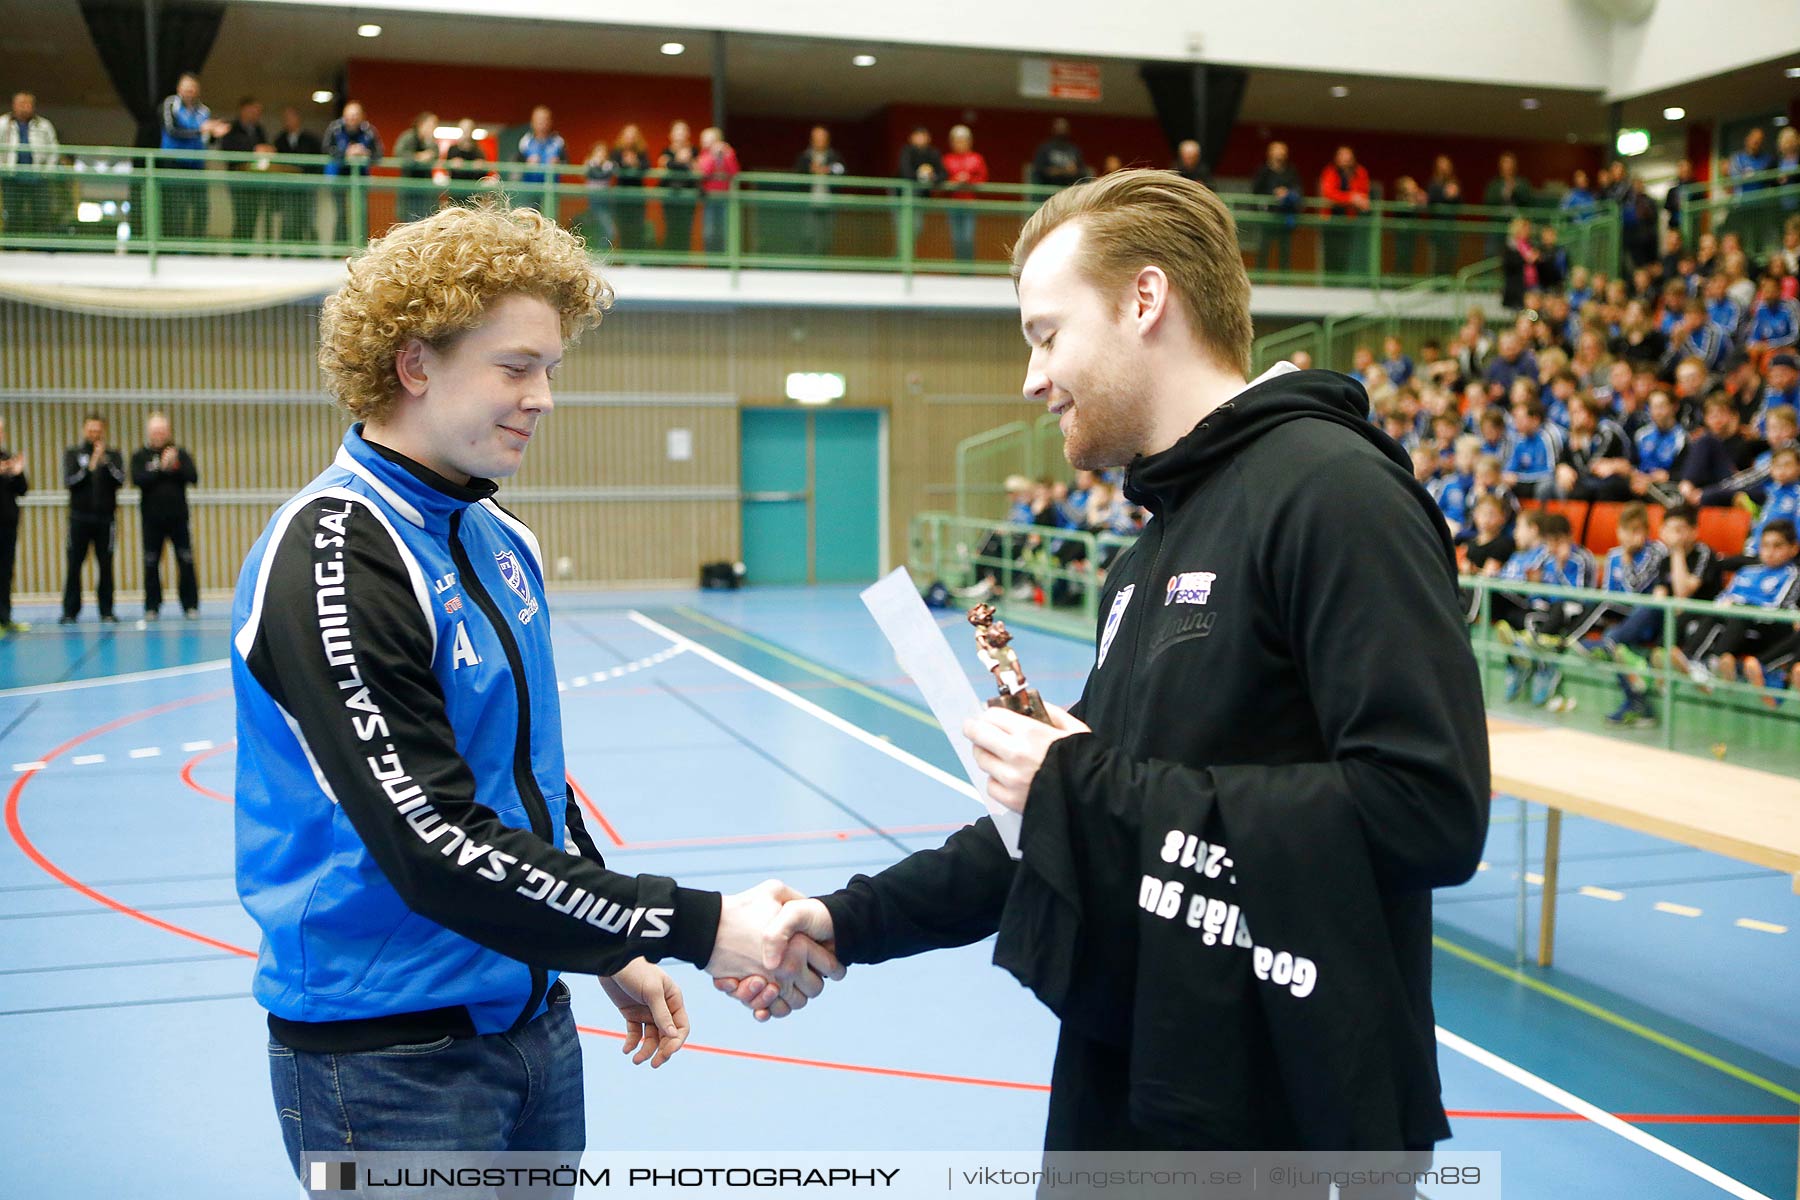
(106, 883)
(105, 639)
(129, 962)
(751, 746)
(14, 723)
(57, 1008)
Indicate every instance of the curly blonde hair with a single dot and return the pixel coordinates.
(434, 279)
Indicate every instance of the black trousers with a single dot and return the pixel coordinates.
(9, 544)
(173, 530)
(97, 532)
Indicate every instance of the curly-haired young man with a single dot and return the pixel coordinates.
(405, 834)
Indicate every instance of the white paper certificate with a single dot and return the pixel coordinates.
(927, 658)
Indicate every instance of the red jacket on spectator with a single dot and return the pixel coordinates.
(1333, 187)
(971, 164)
(716, 167)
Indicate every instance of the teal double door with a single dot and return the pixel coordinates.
(813, 487)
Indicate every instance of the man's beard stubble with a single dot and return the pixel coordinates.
(1112, 418)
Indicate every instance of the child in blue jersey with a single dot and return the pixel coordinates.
(1394, 360)
(1712, 646)
(1452, 488)
(1509, 610)
(1689, 571)
(1532, 464)
(1496, 440)
(1781, 497)
(1556, 621)
(1661, 446)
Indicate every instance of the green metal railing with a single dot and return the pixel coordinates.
(1757, 215)
(1754, 726)
(149, 202)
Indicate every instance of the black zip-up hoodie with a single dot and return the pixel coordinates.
(1288, 738)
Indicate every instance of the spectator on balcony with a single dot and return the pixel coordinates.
(1676, 197)
(923, 165)
(293, 213)
(1579, 201)
(540, 146)
(187, 125)
(463, 157)
(27, 145)
(1345, 186)
(1443, 196)
(1508, 190)
(677, 163)
(1518, 264)
(823, 163)
(1278, 180)
(1409, 220)
(1674, 253)
(1637, 224)
(1787, 161)
(1058, 161)
(633, 159)
(1553, 268)
(601, 173)
(1719, 453)
(1750, 160)
(717, 166)
(964, 169)
(1188, 163)
(246, 136)
(352, 146)
(418, 154)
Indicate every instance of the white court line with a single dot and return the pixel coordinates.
(1760, 926)
(146, 752)
(808, 707)
(35, 765)
(1679, 910)
(87, 760)
(74, 685)
(1598, 1116)
(191, 747)
(1468, 1049)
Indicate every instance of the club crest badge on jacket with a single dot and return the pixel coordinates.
(514, 575)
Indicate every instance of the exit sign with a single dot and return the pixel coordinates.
(1059, 79)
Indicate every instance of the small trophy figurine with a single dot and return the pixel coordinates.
(993, 645)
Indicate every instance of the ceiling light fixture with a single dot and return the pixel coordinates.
(368, 31)
(673, 48)
(863, 60)
(1792, 72)
(1674, 113)
(1530, 103)
(321, 97)
(1339, 92)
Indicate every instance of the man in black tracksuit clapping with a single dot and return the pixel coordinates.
(93, 472)
(163, 472)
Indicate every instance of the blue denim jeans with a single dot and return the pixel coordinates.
(962, 233)
(496, 1092)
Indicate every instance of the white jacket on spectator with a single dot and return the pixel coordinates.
(40, 135)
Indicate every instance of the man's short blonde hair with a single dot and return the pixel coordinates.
(435, 279)
(1139, 218)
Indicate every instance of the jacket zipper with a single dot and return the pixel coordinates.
(535, 806)
(1137, 636)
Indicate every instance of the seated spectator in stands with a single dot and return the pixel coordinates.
(1396, 425)
(1590, 361)
(352, 146)
(1638, 339)
(1344, 185)
(540, 146)
(1434, 367)
(1490, 481)
(1579, 201)
(1789, 254)
(965, 167)
(1673, 254)
(1711, 646)
(1692, 386)
(1690, 570)
(1779, 496)
(1301, 359)
(1636, 566)
(418, 154)
(1742, 385)
(822, 162)
(1717, 454)
(1512, 362)
(1721, 309)
(1617, 388)
(1474, 345)
(1188, 163)
(1531, 468)
(1774, 324)
(1496, 438)
(1783, 387)
(1452, 487)
(677, 187)
(1750, 485)
(1696, 337)
(601, 174)
(1446, 430)
(1362, 364)
(716, 166)
(1278, 180)
(1487, 544)
(1564, 387)
(1394, 361)
(1518, 264)
(27, 145)
(1595, 463)
(1425, 463)
(1662, 448)
(1555, 623)
(632, 155)
(1738, 284)
(1058, 162)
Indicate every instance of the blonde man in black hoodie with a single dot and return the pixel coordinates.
(1230, 840)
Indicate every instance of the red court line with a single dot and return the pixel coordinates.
(187, 772)
(17, 830)
(593, 810)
